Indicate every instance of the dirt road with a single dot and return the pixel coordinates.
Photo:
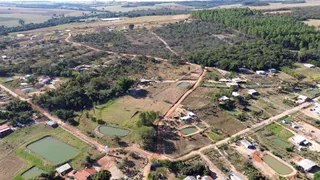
(169, 114)
(165, 43)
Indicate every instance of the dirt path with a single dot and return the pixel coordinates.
(165, 43)
(169, 114)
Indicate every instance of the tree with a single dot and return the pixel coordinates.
(102, 175)
(317, 176)
(131, 26)
(125, 84)
(21, 22)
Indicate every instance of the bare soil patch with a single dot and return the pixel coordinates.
(10, 166)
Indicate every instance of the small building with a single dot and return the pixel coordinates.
(185, 118)
(307, 164)
(309, 65)
(232, 84)
(52, 124)
(318, 86)
(64, 169)
(253, 92)
(4, 57)
(246, 144)
(190, 178)
(239, 80)
(145, 81)
(191, 114)
(300, 140)
(261, 72)
(111, 19)
(235, 94)
(272, 70)
(85, 174)
(224, 98)
(20, 35)
(5, 130)
(301, 99)
(224, 80)
(206, 178)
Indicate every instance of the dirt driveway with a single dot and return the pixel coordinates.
(263, 167)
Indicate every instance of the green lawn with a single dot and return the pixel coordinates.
(279, 131)
(214, 136)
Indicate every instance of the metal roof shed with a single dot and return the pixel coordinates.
(63, 169)
(307, 164)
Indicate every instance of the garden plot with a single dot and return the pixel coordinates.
(11, 165)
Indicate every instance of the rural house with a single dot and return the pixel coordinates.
(261, 72)
(300, 140)
(301, 99)
(85, 174)
(309, 65)
(5, 130)
(246, 144)
(253, 92)
(190, 178)
(307, 164)
(52, 124)
(272, 70)
(235, 94)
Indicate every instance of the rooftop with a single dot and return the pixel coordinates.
(63, 168)
(307, 164)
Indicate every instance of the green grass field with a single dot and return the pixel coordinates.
(279, 131)
(214, 136)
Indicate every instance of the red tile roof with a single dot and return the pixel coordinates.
(85, 173)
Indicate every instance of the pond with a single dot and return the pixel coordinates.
(32, 173)
(184, 84)
(189, 130)
(53, 150)
(113, 131)
(276, 165)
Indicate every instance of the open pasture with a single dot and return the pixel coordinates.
(220, 120)
(119, 8)
(9, 16)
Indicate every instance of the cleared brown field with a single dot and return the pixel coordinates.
(220, 120)
(170, 94)
(275, 5)
(313, 22)
(178, 146)
(10, 166)
(9, 16)
(147, 20)
(199, 98)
